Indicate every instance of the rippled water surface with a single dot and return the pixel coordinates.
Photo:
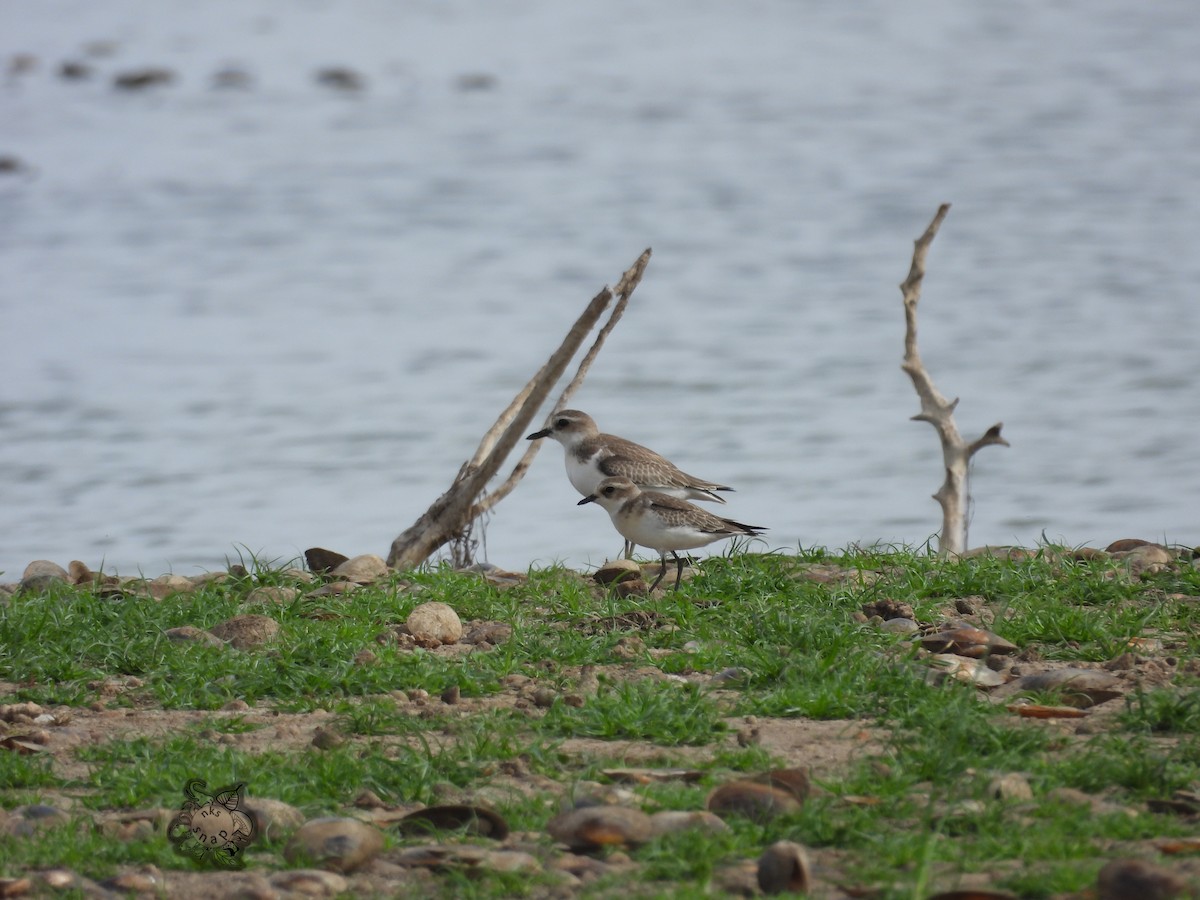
(254, 321)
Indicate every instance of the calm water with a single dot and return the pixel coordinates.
(257, 321)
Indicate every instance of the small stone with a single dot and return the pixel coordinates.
(327, 739)
(321, 560)
(192, 634)
(672, 821)
(15, 887)
(368, 799)
(246, 632)
(273, 594)
(310, 882)
(758, 802)
(1135, 879)
(362, 569)
(617, 571)
(601, 826)
(784, 867)
(337, 844)
(544, 697)
(1010, 786)
(41, 574)
(272, 818)
(451, 694)
(435, 622)
(79, 573)
(899, 625)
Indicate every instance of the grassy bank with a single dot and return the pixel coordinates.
(759, 661)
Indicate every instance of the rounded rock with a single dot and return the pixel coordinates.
(672, 821)
(601, 826)
(757, 802)
(362, 569)
(616, 571)
(784, 867)
(41, 574)
(246, 632)
(336, 844)
(435, 622)
(1135, 879)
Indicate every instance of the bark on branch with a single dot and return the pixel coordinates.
(452, 513)
(954, 495)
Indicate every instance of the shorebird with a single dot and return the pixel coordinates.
(662, 522)
(591, 457)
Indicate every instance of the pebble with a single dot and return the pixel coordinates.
(1011, 786)
(435, 622)
(311, 882)
(246, 632)
(338, 844)
(784, 867)
(362, 569)
(672, 821)
(41, 574)
(192, 634)
(1135, 879)
(757, 802)
(593, 827)
(273, 594)
(272, 818)
(617, 570)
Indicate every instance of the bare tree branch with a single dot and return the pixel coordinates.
(452, 513)
(624, 289)
(954, 495)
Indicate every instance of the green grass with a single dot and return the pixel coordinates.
(795, 640)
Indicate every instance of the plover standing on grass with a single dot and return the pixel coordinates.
(592, 456)
(662, 522)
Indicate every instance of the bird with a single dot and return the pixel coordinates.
(592, 456)
(662, 522)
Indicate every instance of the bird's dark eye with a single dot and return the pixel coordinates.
(608, 491)
(562, 423)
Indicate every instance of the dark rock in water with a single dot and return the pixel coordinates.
(232, 78)
(139, 79)
(340, 78)
(74, 71)
(475, 81)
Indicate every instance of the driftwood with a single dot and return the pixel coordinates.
(954, 494)
(452, 514)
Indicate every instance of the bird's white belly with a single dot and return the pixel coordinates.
(648, 531)
(584, 476)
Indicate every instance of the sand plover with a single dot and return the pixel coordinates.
(662, 522)
(592, 456)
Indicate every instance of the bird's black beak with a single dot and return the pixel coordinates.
(545, 432)
(588, 499)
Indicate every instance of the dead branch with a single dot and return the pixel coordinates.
(954, 494)
(453, 512)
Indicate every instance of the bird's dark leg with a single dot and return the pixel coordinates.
(629, 545)
(661, 573)
(678, 567)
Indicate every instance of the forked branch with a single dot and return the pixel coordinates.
(452, 513)
(954, 495)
